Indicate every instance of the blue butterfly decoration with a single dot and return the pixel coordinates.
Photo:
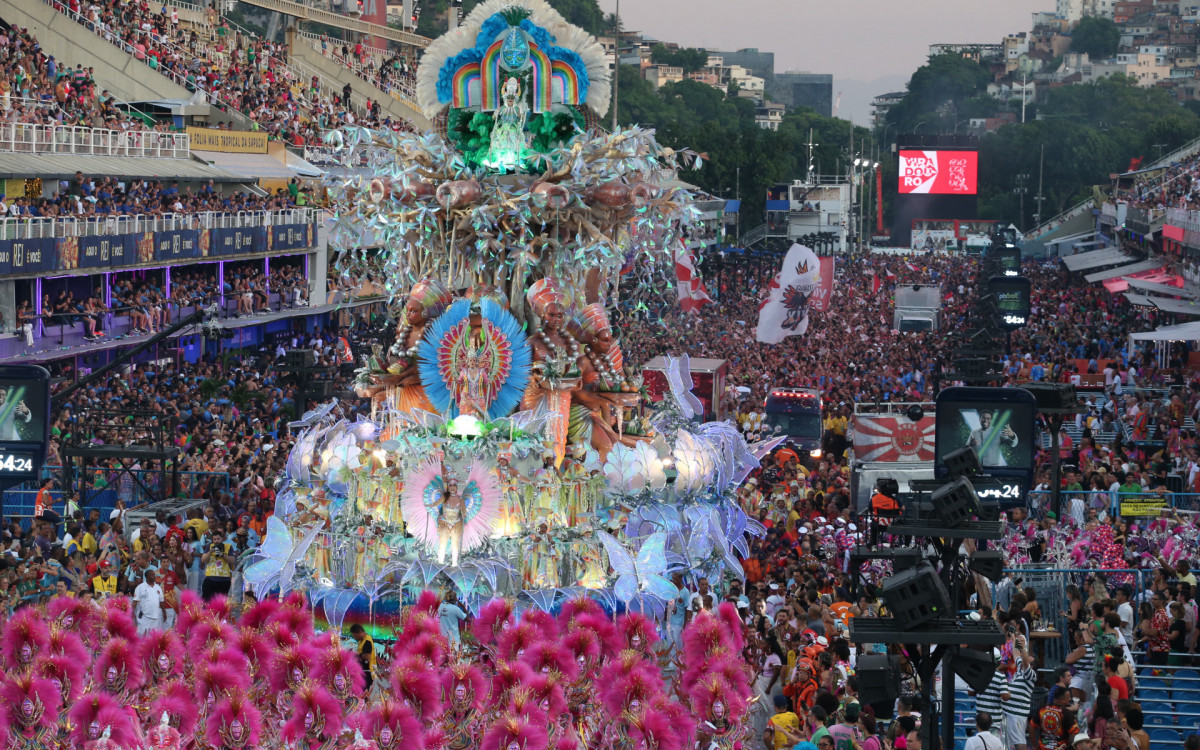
(643, 573)
(274, 561)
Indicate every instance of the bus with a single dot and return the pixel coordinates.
(795, 414)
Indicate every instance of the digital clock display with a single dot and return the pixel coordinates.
(12, 462)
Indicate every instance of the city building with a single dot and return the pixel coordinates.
(883, 103)
(761, 64)
(658, 75)
(769, 115)
(804, 89)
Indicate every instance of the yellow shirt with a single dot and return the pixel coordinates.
(88, 544)
(217, 565)
(787, 720)
(105, 586)
(199, 524)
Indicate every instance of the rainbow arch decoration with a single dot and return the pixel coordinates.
(476, 80)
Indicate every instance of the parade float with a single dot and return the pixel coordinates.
(509, 450)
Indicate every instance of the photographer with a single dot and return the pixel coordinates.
(218, 567)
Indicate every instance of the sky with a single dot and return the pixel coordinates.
(870, 46)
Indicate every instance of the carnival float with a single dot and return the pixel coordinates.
(510, 449)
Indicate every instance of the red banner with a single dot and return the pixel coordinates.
(893, 438)
(820, 297)
(1172, 232)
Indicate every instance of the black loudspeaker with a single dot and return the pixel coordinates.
(878, 678)
(905, 558)
(916, 597)
(955, 503)
(974, 667)
(963, 462)
(988, 563)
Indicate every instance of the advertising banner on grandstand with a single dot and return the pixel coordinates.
(893, 438)
(1142, 507)
(939, 172)
(228, 141)
(177, 244)
(292, 237)
(785, 311)
(238, 240)
(28, 255)
(115, 250)
(974, 235)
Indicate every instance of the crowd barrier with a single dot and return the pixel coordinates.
(1130, 505)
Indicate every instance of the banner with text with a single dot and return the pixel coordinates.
(238, 240)
(228, 141)
(292, 237)
(27, 256)
(98, 252)
(178, 244)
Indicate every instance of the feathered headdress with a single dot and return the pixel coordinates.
(584, 645)
(432, 647)
(221, 606)
(117, 621)
(469, 678)
(432, 295)
(637, 631)
(314, 713)
(177, 702)
(296, 617)
(610, 639)
(68, 644)
(414, 682)
(651, 728)
(510, 730)
(514, 640)
(575, 607)
(162, 654)
(260, 614)
(66, 673)
(427, 604)
(256, 647)
(547, 691)
(31, 702)
(714, 688)
(219, 678)
(550, 656)
(25, 636)
(280, 636)
(508, 674)
(291, 666)
(732, 629)
(632, 691)
(702, 636)
(543, 621)
(191, 608)
(393, 726)
(208, 631)
(118, 667)
(339, 671)
(235, 724)
(95, 712)
(68, 612)
(492, 619)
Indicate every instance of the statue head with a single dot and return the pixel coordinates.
(512, 91)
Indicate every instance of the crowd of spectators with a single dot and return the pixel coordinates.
(237, 70)
(37, 89)
(85, 197)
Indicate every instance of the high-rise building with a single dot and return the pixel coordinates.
(812, 90)
(761, 64)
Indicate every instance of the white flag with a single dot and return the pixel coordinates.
(785, 311)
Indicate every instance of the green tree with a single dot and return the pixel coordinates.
(1098, 37)
(937, 93)
(690, 59)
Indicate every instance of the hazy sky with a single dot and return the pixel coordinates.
(853, 39)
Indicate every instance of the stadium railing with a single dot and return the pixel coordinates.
(70, 226)
(33, 138)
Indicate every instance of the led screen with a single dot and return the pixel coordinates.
(939, 172)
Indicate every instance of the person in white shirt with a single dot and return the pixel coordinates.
(148, 599)
(1125, 611)
(774, 601)
(983, 739)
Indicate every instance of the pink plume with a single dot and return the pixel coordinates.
(104, 710)
(119, 654)
(316, 699)
(176, 701)
(16, 689)
(260, 614)
(337, 661)
(427, 603)
(234, 707)
(494, 616)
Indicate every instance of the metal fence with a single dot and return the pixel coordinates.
(31, 138)
(1128, 504)
(32, 228)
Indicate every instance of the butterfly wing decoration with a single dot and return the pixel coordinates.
(721, 543)
(543, 599)
(420, 502)
(482, 499)
(651, 564)
(650, 605)
(337, 602)
(262, 574)
(758, 451)
(679, 378)
(464, 580)
(314, 416)
(288, 571)
(626, 585)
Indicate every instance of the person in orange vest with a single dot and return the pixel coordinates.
(884, 508)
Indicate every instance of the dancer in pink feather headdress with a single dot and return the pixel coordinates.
(393, 726)
(118, 670)
(177, 702)
(25, 636)
(464, 694)
(235, 724)
(515, 733)
(316, 719)
(339, 672)
(31, 706)
(162, 656)
(99, 721)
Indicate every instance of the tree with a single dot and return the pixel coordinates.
(690, 59)
(1098, 37)
(937, 92)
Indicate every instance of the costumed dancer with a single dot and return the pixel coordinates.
(465, 691)
(598, 405)
(556, 361)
